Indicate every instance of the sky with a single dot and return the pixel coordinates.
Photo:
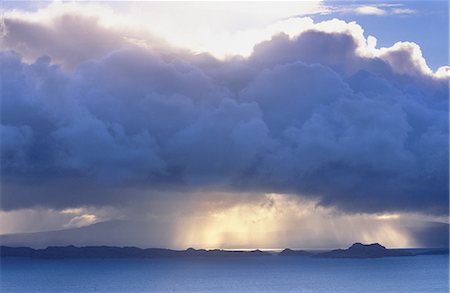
(309, 124)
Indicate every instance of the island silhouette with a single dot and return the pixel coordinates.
(357, 250)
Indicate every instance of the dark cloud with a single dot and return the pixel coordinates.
(306, 115)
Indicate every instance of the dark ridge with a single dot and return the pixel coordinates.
(359, 250)
(73, 252)
(289, 252)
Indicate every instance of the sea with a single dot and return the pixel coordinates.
(421, 274)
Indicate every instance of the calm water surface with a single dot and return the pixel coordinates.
(424, 274)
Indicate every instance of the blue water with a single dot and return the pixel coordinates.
(424, 274)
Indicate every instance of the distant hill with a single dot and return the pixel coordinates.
(111, 233)
(289, 252)
(359, 250)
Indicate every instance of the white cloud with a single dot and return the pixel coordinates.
(44, 219)
(369, 10)
(406, 58)
(201, 27)
(81, 220)
(382, 9)
(403, 11)
(443, 72)
(109, 29)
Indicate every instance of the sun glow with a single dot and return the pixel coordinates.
(278, 220)
(245, 226)
(221, 29)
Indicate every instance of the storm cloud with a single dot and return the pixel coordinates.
(323, 114)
